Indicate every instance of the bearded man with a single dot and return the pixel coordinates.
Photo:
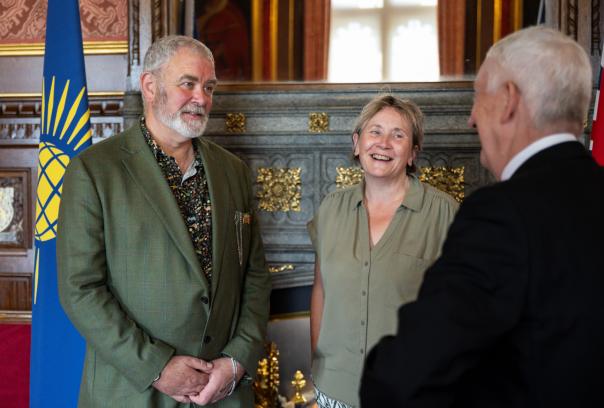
(161, 265)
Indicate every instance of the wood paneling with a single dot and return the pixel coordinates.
(16, 269)
(15, 291)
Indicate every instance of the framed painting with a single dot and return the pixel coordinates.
(225, 27)
(251, 40)
(15, 211)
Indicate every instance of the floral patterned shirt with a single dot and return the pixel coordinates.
(192, 196)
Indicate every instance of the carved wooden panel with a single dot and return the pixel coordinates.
(20, 118)
(15, 291)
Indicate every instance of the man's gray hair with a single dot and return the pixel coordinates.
(163, 49)
(551, 70)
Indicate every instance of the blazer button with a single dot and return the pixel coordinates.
(207, 339)
(205, 300)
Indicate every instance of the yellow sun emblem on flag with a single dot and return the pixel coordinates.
(51, 167)
(53, 160)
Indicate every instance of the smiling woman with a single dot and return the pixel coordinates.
(373, 242)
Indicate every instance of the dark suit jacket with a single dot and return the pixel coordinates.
(512, 314)
(131, 283)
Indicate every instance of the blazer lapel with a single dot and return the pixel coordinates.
(143, 168)
(221, 207)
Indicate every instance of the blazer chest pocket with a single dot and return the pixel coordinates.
(243, 224)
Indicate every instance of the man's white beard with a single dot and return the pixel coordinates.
(175, 122)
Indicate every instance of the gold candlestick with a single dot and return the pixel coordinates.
(299, 382)
(266, 385)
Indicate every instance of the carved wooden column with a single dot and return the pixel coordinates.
(148, 21)
(580, 19)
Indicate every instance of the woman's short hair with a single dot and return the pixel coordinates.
(408, 110)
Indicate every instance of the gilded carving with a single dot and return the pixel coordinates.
(280, 190)
(348, 176)
(281, 268)
(299, 383)
(235, 122)
(266, 385)
(447, 179)
(318, 122)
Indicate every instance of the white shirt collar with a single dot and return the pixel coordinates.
(543, 143)
(191, 171)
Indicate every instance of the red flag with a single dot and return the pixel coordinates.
(597, 129)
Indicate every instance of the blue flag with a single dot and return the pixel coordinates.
(57, 349)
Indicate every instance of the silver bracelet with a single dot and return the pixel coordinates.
(234, 381)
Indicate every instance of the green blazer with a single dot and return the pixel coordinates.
(130, 281)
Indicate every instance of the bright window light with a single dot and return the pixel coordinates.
(376, 40)
(412, 52)
(358, 4)
(355, 51)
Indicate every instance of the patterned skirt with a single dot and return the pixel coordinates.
(325, 401)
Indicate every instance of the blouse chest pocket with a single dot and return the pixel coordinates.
(407, 277)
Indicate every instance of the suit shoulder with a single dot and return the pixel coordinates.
(105, 149)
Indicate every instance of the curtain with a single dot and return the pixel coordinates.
(316, 39)
(451, 36)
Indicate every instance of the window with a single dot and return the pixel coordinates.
(383, 40)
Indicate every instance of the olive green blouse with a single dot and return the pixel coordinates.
(364, 287)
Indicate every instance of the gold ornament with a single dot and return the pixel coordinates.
(447, 179)
(280, 189)
(235, 122)
(266, 385)
(299, 383)
(348, 176)
(318, 122)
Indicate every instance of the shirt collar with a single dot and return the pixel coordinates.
(159, 154)
(543, 143)
(413, 200)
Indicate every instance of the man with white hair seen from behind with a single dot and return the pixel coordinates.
(161, 266)
(512, 313)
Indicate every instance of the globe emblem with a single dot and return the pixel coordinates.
(51, 168)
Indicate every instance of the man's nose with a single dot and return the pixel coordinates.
(472, 122)
(201, 97)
